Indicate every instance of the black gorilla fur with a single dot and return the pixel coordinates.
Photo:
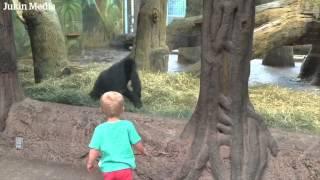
(116, 78)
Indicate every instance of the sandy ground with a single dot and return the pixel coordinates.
(56, 136)
(17, 168)
(12, 168)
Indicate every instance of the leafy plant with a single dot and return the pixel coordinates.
(70, 14)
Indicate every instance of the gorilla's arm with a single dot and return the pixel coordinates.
(135, 83)
(133, 98)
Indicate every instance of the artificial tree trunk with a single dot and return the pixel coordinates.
(224, 115)
(279, 57)
(151, 35)
(310, 69)
(10, 91)
(47, 41)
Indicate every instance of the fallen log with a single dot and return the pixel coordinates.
(278, 24)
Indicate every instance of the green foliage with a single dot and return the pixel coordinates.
(113, 19)
(110, 12)
(70, 15)
(175, 95)
(103, 19)
(73, 89)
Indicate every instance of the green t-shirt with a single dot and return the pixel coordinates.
(114, 140)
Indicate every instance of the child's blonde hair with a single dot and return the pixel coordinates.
(112, 104)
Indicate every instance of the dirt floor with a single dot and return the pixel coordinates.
(56, 138)
(12, 168)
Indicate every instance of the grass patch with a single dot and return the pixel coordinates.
(175, 95)
(73, 89)
(285, 108)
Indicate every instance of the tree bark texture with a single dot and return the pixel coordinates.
(224, 115)
(310, 69)
(279, 57)
(151, 34)
(47, 41)
(10, 91)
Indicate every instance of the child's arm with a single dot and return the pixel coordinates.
(135, 140)
(93, 155)
(139, 148)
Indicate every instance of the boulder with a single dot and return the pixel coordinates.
(302, 49)
(184, 32)
(279, 57)
(189, 55)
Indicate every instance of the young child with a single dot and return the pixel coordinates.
(113, 140)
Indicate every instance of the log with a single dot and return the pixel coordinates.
(277, 24)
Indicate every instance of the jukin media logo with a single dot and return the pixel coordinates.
(30, 6)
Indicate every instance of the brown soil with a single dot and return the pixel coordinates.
(59, 134)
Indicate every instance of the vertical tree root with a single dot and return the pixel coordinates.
(257, 143)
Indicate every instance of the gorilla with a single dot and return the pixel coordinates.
(116, 78)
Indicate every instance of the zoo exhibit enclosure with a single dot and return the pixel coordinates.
(57, 132)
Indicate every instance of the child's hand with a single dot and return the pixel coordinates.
(93, 154)
(90, 167)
